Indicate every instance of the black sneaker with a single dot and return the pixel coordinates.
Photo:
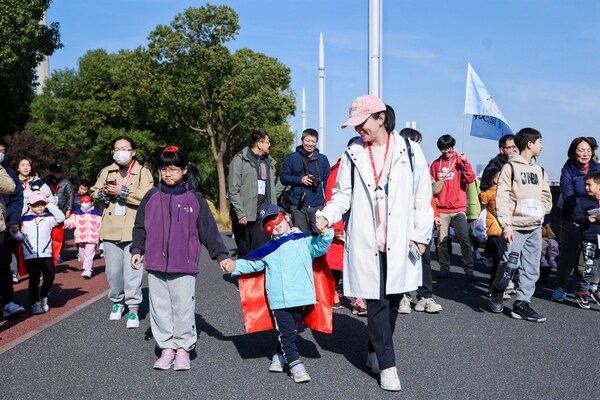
(582, 299)
(522, 310)
(496, 301)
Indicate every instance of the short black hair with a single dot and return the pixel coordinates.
(445, 142)
(256, 136)
(525, 136)
(310, 132)
(505, 138)
(594, 176)
(130, 140)
(489, 175)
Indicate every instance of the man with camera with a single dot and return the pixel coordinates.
(306, 170)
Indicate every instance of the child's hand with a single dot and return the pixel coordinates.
(592, 218)
(227, 265)
(324, 231)
(135, 260)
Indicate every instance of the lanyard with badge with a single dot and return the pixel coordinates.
(120, 206)
(380, 192)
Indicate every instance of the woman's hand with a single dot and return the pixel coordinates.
(112, 188)
(322, 224)
(422, 247)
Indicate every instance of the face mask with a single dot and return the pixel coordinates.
(122, 157)
(86, 206)
(1, 157)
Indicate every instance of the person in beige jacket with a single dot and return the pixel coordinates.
(523, 198)
(120, 187)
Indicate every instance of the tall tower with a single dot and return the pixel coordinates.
(321, 95)
(43, 68)
(375, 46)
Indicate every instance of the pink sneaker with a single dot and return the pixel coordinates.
(166, 359)
(182, 360)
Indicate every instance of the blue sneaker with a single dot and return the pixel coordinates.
(558, 295)
(442, 274)
(60, 260)
(471, 278)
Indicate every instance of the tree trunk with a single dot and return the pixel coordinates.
(222, 186)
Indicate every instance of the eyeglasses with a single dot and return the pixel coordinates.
(513, 147)
(265, 142)
(170, 170)
(585, 151)
(115, 150)
(448, 150)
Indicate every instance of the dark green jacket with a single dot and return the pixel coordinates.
(243, 186)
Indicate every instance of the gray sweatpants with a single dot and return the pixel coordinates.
(124, 282)
(172, 310)
(529, 246)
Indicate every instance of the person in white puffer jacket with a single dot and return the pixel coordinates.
(36, 235)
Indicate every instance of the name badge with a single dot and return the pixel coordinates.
(262, 187)
(120, 208)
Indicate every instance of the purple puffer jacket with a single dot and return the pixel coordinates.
(170, 225)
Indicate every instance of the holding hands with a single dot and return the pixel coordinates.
(227, 265)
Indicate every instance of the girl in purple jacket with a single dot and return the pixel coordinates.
(172, 222)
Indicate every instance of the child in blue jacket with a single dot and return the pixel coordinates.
(287, 260)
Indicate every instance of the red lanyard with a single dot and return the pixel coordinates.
(128, 173)
(378, 177)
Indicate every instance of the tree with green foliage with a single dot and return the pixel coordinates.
(214, 92)
(24, 43)
(81, 111)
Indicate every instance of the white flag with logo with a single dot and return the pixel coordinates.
(488, 121)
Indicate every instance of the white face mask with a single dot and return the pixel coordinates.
(86, 206)
(1, 157)
(122, 157)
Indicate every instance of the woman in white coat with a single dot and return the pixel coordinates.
(384, 182)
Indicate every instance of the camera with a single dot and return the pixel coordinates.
(316, 180)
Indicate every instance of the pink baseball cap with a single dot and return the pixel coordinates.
(362, 107)
(36, 196)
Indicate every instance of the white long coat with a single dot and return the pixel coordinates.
(410, 217)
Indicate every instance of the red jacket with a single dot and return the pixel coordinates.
(457, 174)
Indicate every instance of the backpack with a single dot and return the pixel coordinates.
(283, 200)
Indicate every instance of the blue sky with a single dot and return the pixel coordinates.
(539, 59)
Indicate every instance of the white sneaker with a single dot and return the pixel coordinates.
(44, 302)
(277, 363)
(11, 309)
(404, 307)
(117, 312)
(86, 274)
(428, 305)
(133, 320)
(510, 289)
(373, 363)
(37, 308)
(388, 380)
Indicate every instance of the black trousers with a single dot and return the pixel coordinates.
(492, 250)
(248, 237)
(426, 289)
(34, 267)
(381, 320)
(7, 292)
(305, 218)
(286, 322)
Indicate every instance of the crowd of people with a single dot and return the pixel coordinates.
(360, 229)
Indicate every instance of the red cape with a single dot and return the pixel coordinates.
(255, 307)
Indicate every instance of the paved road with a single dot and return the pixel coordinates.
(465, 352)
